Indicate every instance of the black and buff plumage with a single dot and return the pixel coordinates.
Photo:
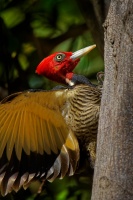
(43, 133)
(46, 135)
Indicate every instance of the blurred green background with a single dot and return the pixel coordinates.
(29, 31)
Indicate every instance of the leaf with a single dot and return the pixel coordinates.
(12, 16)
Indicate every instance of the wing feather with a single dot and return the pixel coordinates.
(52, 139)
(44, 138)
(35, 140)
(40, 137)
(4, 135)
(27, 133)
(12, 137)
(33, 134)
(20, 138)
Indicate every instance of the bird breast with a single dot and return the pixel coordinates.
(81, 110)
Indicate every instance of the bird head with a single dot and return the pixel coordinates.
(58, 67)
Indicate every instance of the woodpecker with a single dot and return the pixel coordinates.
(43, 133)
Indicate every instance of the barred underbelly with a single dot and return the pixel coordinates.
(82, 118)
(81, 111)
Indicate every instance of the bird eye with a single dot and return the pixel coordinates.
(59, 57)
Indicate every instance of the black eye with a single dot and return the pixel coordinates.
(59, 57)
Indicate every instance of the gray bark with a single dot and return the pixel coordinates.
(113, 175)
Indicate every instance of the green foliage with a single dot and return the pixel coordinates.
(70, 188)
(32, 29)
(12, 16)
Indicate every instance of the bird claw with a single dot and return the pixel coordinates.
(92, 153)
(100, 77)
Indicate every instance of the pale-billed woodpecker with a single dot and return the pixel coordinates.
(43, 133)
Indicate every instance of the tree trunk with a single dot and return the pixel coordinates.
(113, 176)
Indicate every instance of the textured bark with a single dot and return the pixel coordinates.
(113, 176)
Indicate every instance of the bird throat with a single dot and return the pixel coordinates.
(69, 82)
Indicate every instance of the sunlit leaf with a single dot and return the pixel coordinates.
(28, 48)
(23, 61)
(12, 16)
(62, 195)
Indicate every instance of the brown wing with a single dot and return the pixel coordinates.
(35, 141)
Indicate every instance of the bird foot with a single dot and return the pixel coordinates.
(91, 149)
(100, 78)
